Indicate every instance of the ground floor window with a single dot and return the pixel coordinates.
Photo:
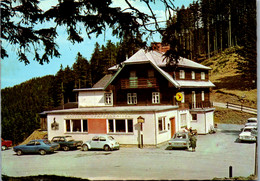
(161, 124)
(194, 117)
(76, 125)
(183, 120)
(120, 125)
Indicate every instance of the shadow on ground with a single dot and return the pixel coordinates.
(231, 132)
(41, 178)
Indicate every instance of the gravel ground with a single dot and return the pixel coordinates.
(214, 154)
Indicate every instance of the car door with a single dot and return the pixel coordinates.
(62, 142)
(38, 146)
(29, 147)
(102, 142)
(95, 142)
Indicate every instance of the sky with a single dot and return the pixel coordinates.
(14, 72)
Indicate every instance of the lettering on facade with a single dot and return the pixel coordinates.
(104, 116)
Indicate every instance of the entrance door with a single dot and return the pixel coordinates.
(172, 126)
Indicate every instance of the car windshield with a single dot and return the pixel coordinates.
(69, 138)
(251, 121)
(180, 136)
(247, 130)
(47, 142)
(111, 138)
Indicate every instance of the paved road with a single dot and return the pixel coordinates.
(224, 105)
(213, 156)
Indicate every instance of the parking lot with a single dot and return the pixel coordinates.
(214, 154)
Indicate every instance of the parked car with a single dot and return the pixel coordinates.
(41, 146)
(5, 144)
(246, 134)
(104, 142)
(66, 142)
(180, 140)
(251, 122)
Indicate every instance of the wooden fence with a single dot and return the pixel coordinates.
(241, 108)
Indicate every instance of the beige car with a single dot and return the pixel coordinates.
(246, 134)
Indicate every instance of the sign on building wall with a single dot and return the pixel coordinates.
(54, 125)
(179, 96)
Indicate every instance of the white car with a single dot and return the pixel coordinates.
(251, 122)
(104, 142)
(246, 134)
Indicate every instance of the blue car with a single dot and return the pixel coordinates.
(41, 146)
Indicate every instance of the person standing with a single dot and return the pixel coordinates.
(193, 141)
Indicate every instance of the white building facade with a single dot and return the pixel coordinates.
(142, 89)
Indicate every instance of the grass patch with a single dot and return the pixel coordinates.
(227, 116)
(235, 97)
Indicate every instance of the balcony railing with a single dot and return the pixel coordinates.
(204, 104)
(135, 82)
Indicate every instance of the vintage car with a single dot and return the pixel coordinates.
(41, 146)
(180, 140)
(251, 122)
(66, 142)
(104, 142)
(5, 144)
(246, 134)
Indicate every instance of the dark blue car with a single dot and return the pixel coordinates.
(41, 146)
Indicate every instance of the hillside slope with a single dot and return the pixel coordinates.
(230, 86)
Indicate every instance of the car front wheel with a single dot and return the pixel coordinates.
(42, 152)
(106, 148)
(19, 152)
(66, 148)
(85, 148)
(4, 148)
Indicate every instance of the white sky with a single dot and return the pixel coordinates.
(14, 72)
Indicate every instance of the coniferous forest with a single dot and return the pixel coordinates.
(198, 32)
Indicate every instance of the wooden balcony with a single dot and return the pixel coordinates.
(204, 104)
(138, 83)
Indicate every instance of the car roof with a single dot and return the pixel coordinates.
(104, 135)
(250, 127)
(37, 140)
(255, 119)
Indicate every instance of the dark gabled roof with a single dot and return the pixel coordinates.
(103, 82)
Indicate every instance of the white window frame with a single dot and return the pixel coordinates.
(202, 96)
(108, 98)
(71, 126)
(193, 99)
(193, 75)
(202, 74)
(183, 121)
(156, 97)
(194, 120)
(164, 126)
(183, 97)
(182, 74)
(131, 98)
(126, 126)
